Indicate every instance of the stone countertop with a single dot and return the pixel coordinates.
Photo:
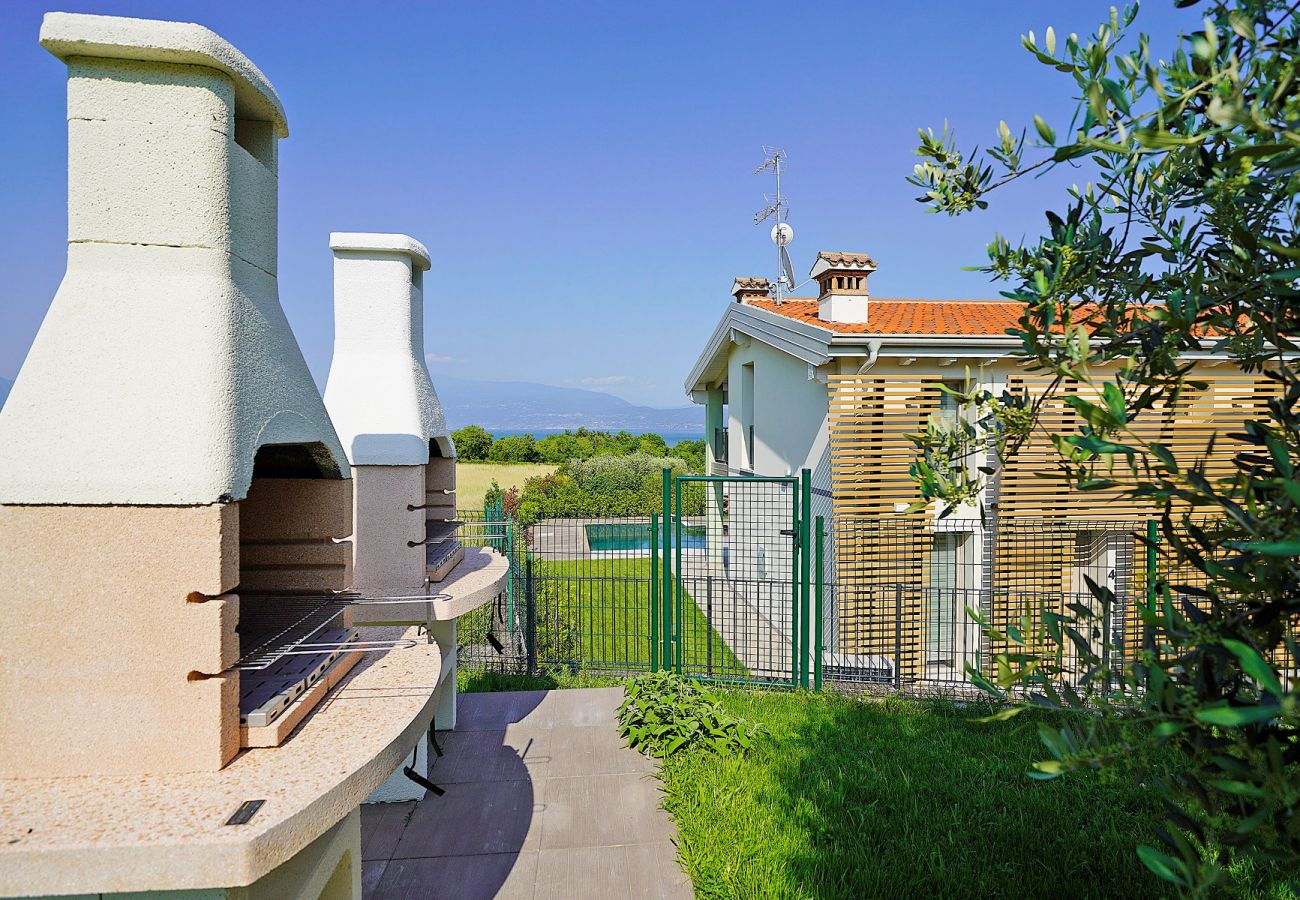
(80, 835)
(479, 577)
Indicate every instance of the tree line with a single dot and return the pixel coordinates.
(476, 444)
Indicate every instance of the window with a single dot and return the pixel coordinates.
(747, 412)
(1106, 557)
(942, 595)
(950, 413)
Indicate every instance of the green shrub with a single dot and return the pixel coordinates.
(517, 448)
(472, 443)
(665, 713)
(606, 486)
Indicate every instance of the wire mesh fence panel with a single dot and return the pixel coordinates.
(494, 637)
(735, 578)
(592, 593)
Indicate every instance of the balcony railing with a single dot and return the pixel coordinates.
(720, 445)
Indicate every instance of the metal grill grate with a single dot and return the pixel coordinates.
(272, 625)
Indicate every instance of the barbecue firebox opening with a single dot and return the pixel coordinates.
(294, 571)
(294, 522)
(312, 460)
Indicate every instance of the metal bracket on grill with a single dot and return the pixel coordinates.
(437, 531)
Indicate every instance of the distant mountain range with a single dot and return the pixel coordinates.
(525, 406)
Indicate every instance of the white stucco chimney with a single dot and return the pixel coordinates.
(842, 279)
(165, 360)
(379, 393)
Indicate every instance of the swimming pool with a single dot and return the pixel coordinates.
(625, 536)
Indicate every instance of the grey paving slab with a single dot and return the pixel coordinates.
(372, 871)
(590, 750)
(494, 710)
(633, 871)
(381, 827)
(492, 756)
(475, 817)
(542, 799)
(501, 875)
(602, 810)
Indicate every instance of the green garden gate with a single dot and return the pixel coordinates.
(736, 580)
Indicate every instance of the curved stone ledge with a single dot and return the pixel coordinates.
(476, 580)
(101, 835)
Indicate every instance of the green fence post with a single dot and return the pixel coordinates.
(510, 582)
(819, 606)
(677, 590)
(530, 613)
(666, 594)
(1153, 574)
(805, 559)
(654, 592)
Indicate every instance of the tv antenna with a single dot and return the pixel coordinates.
(778, 207)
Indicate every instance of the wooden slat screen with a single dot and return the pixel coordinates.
(880, 579)
(1044, 536)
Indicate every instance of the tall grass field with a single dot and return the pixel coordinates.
(474, 478)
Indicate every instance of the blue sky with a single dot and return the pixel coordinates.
(581, 172)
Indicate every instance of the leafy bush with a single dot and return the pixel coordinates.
(606, 486)
(517, 448)
(690, 451)
(665, 713)
(472, 443)
(494, 496)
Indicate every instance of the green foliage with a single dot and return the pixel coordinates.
(665, 713)
(850, 797)
(691, 452)
(605, 486)
(1183, 240)
(472, 443)
(517, 448)
(494, 496)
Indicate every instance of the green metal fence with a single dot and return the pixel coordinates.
(719, 588)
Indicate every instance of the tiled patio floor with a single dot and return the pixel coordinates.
(543, 801)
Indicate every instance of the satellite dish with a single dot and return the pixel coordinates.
(782, 234)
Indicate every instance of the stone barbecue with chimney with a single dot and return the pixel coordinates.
(406, 554)
(185, 701)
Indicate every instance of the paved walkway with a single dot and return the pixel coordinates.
(543, 801)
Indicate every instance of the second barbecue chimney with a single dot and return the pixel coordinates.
(386, 411)
(842, 279)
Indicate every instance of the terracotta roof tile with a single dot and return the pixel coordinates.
(844, 258)
(976, 318)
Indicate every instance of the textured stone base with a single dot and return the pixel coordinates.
(115, 639)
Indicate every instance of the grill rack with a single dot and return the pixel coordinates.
(280, 624)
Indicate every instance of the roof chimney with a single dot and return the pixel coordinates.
(842, 278)
(747, 290)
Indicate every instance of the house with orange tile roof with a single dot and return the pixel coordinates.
(836, 383)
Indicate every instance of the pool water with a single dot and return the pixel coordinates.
(621, 536)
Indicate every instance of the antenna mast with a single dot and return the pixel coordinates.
(778, 207)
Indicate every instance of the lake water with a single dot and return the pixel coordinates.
(670, 437)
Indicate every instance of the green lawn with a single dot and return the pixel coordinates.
(474, 478)
(904, 799)
(596, 613)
